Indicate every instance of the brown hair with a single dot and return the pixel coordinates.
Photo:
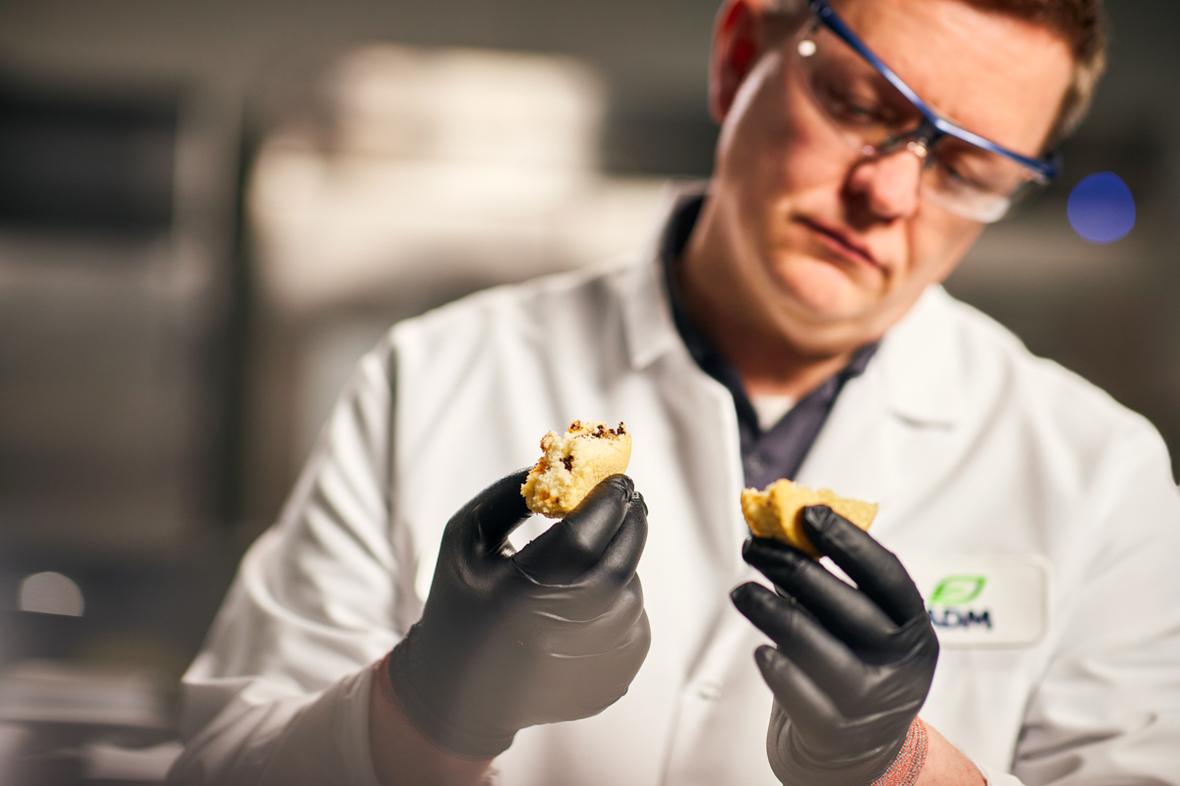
(1081, 24)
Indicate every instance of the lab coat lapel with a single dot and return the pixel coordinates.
(863, 450)
(853, 454)
(709, 429)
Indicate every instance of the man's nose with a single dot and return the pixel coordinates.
(889, 184)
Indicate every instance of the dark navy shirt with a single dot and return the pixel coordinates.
(776, 452)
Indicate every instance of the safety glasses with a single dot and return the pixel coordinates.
(874, 111)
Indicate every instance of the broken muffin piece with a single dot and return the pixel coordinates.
(777, 512)
(573, 463)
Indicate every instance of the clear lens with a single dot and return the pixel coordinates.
(861, 106)
(872, 117)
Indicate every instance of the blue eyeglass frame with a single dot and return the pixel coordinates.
(934, 126)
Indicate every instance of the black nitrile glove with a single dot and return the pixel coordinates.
(853, 664)
(555, 632)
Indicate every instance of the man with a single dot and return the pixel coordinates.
(790, 324)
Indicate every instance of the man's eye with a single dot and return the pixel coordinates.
(858, 110)
(961, 177)
(866, 112)
(955, 176)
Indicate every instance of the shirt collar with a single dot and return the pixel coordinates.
(672, 242)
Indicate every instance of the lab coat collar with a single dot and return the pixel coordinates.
(917, 362)
(920, 367)
(647, 309)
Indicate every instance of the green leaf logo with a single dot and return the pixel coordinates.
(957, 590)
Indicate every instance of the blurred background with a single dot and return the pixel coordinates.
(209, 210)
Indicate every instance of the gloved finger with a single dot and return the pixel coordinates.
(617, 611)
(825, 659)
(842, 609)
(876, 570)
(570, 610)
(804, 702)
(570, 641)
(621, 556)
(594, 681)
(572, 546)
(490, 516)
(627, 609)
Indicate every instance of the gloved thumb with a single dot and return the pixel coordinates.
(487, 520)
(574, 545)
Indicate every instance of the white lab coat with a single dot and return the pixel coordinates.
(985, 462)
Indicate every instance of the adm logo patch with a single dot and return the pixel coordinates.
(948, 603)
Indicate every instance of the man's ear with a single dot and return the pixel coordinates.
(737, 43)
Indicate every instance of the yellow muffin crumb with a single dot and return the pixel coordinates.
(573, 463)
(777, 511)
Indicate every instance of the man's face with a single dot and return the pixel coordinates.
(830, 247)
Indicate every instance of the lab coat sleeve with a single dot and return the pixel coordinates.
(1107, 709)
(279, 693)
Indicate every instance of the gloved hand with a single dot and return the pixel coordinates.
(554, 632)
(853, 664)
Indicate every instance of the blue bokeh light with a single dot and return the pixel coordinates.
(1101, 208)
